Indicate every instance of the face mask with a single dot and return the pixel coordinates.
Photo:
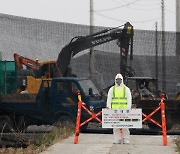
(118, 82)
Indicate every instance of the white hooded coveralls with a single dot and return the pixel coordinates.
(118, 132)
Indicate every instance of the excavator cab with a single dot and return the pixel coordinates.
(49, 69)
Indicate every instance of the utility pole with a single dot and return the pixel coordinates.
(178, 27)
(91, 58)
(91, 16)
(156, 63)
(163, 49)
(177, 15)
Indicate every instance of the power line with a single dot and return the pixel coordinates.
(143, 9)
(115, 19)
(139, 9)
(115, 8)
(170, 11)
(128, 6)
(109, 17)
(154, 4)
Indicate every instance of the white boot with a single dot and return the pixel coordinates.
(125, 141)
(117, 142)
(117, 136)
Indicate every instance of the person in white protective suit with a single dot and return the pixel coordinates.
(119, 97)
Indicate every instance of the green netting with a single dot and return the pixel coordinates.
(8, 77)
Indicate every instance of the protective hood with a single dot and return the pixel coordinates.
(121, 77)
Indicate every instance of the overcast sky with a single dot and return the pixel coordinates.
(141, 13)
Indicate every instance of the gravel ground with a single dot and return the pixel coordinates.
(102, 144)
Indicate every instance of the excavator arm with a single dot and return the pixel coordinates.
(29, 63)
(77, 44)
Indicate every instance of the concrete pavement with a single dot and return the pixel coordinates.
(102, 144)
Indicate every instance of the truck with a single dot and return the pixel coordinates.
(56, 100)
(55, 103)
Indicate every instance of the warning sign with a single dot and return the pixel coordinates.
(117, 118)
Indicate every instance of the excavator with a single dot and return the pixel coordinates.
(124, 37)
(39, 71)
(45, 69)
(50, 69)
